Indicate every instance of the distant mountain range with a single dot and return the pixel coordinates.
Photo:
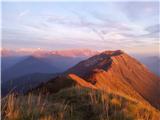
(19, 63)
(28, 66)
(9, 61)
(44, 53)
(151, 61)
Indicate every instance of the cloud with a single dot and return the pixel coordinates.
(153, 31)
(108, 32)
(23, 13)
(138, 10)
(154, 28)
(90, 29)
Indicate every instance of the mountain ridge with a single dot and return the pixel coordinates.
(115, 71)
(122, 68)
(28, 65)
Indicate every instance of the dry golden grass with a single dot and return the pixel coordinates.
(75, 104)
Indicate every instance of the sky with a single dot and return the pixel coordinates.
(129, 26)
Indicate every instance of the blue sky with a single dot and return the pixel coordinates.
(130, 26)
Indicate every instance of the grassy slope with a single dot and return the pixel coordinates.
(75, 104)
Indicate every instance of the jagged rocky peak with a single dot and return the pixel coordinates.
(113, 53)
(104, 56)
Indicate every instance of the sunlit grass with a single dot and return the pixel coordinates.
(75, 104)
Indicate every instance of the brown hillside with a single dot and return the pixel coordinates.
(111, 71)
(117, 71)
